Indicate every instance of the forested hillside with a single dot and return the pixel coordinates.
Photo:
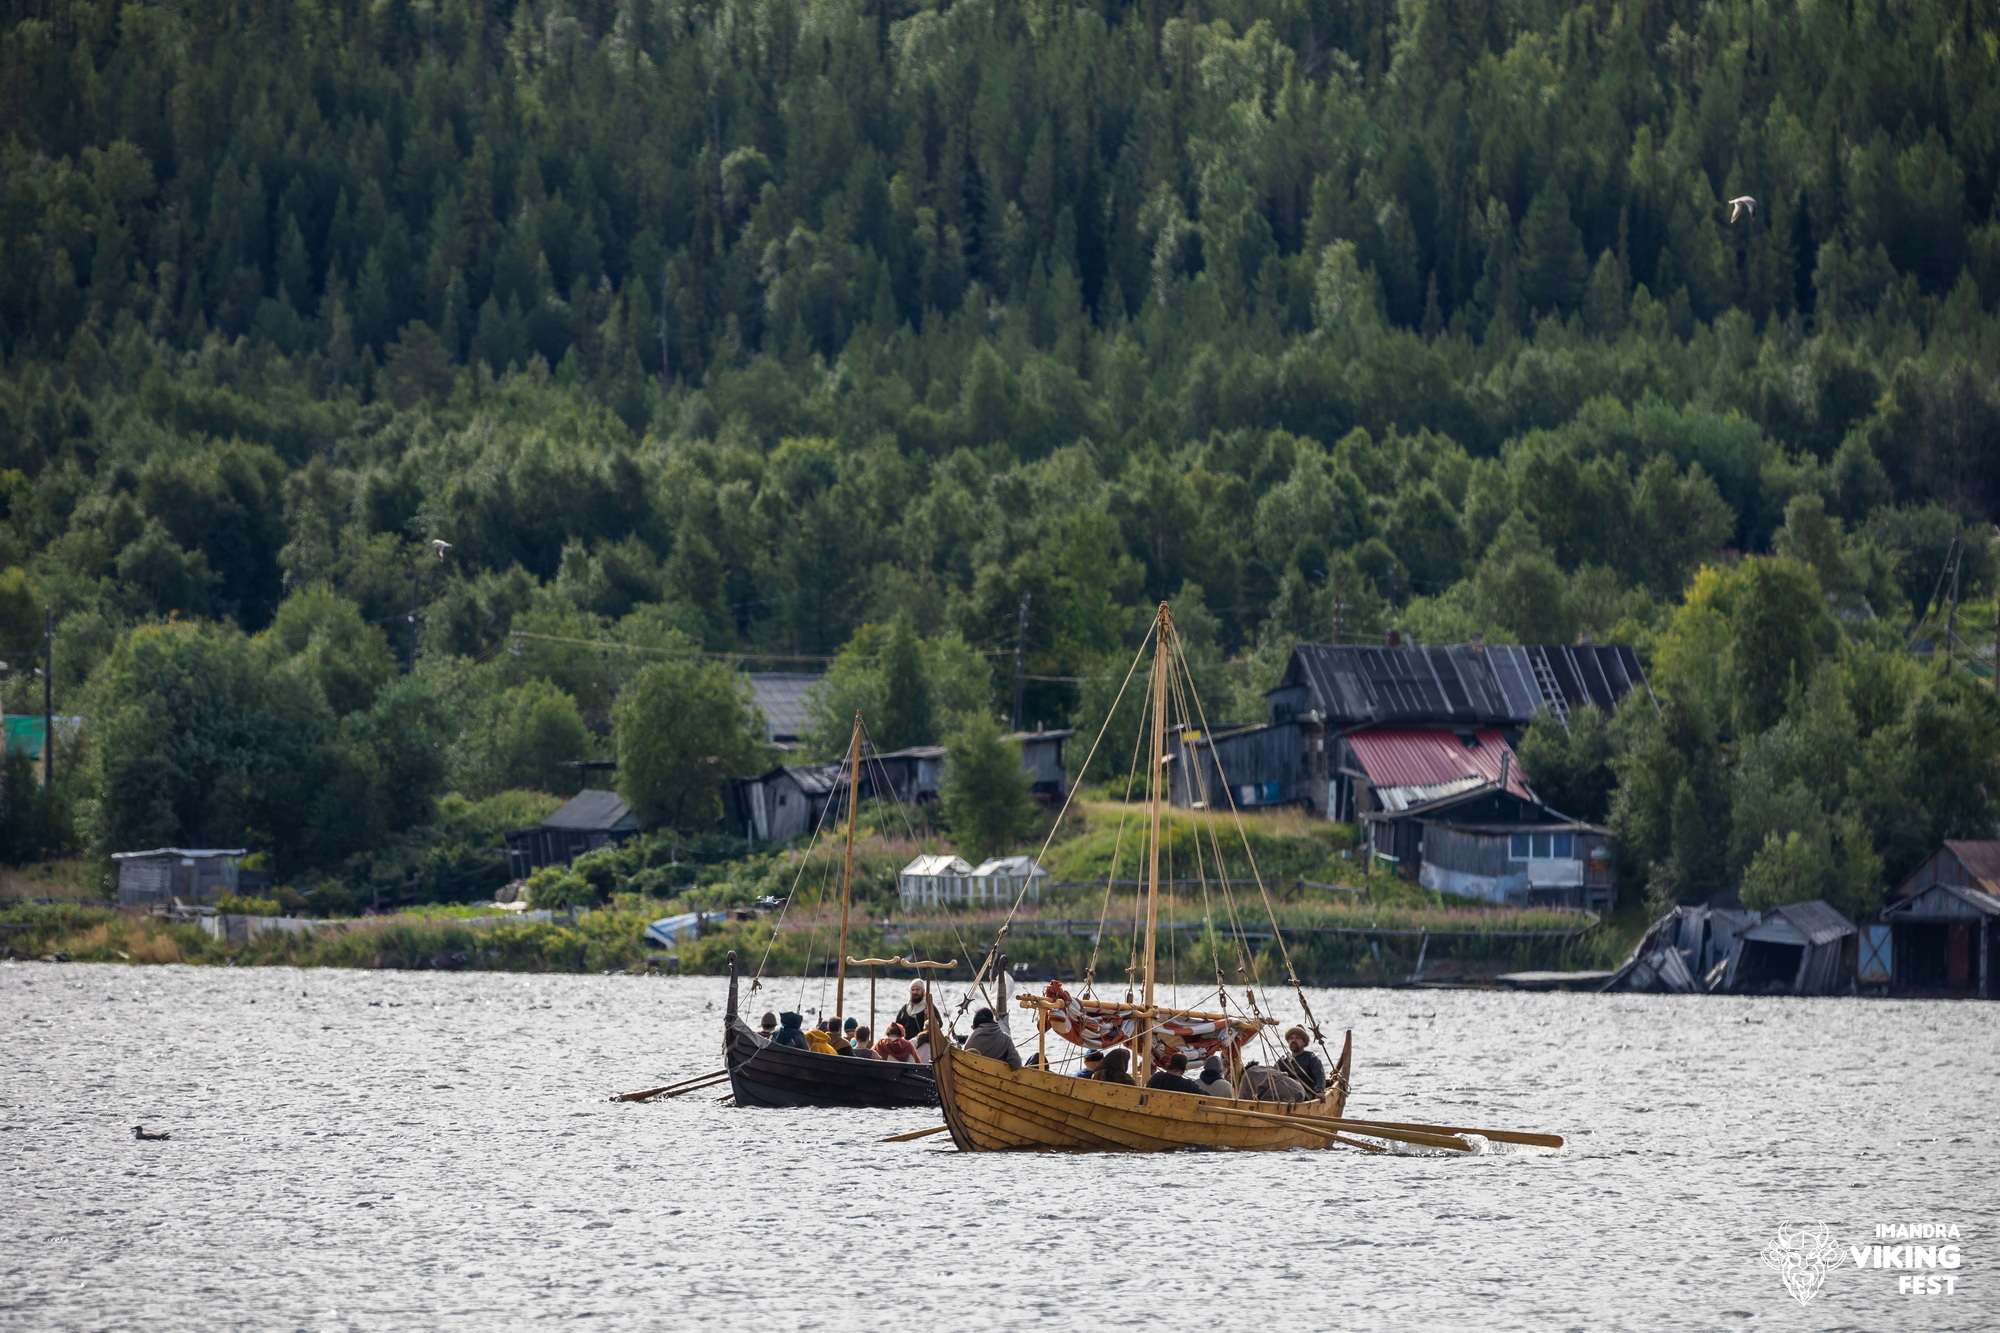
(755, 328)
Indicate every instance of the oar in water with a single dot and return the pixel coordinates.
(1496, 1135)
(1300, 1124)
(1317, 1123)
(915, 1134)
(673, 1089)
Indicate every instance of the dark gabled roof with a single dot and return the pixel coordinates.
(1815, 921)
(1502, 684)
(593, 812)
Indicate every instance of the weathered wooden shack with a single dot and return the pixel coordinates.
(587, 821)
(193, 875)
(1944, 923)
(1797, 949)
(783, 803)
(913, 775)
(781, 697)
(1042, 756)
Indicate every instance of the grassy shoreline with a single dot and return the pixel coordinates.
(1328, 945)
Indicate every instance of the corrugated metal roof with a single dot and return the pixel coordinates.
(937, 865)
(194, 852)
(1502, 684)
(1419, 759)
(1981, 861)
(782, 696)
(815, 779)
(591, 811)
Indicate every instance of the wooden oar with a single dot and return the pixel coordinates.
(1315, 1123)
(1293, 1122)
(1497, 1135)
(915, 1134)
(673, 1089)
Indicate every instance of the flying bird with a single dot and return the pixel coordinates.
(1742, 206)
(440, 545)
(139, 1132)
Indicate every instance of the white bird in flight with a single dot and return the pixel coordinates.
(440, 545)
(1742, 206)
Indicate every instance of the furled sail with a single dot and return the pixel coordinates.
(1099, 1024)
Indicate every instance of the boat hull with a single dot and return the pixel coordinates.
(990, 1108)
(761, 1074)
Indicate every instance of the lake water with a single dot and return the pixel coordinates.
(375, 1150)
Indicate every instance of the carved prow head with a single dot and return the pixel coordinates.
(729, 1014)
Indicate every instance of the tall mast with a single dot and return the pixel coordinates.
(847, 870)
(1155, 780)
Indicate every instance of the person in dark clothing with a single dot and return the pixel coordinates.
(912, 1017)
(864, 1043)
(790, 1031)
(1174, 1077)
(1093, 1061)
(1116, 1065)
(991, 1040)
(767, 1026)
(1302, 1064)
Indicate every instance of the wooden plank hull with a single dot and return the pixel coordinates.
(761, 1074)
(990, 1108)
(766, 1075)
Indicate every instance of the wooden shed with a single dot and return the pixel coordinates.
(1797, 949)
(1944, 923)
(1042, 756)
(164, 873)
(587, 821)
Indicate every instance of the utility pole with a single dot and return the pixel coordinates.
(48, 699)
(1020, 659)
(1339, 606)
(1951, 617)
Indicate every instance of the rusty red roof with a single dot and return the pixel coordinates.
(1981, 861)
(1434, 757)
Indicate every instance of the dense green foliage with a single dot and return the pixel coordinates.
(985, 795)
(817, 328)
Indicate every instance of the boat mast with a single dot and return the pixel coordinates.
(847, 870)
(1155, 779)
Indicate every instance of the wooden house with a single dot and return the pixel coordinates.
(1042, 756)
(781, 697)
(194, 876)
(782, 804)
(913, 775)
(1294, 756)
(1797, 949)
(587, 821)
(1944, 922)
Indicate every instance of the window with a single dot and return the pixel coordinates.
(1541, 846)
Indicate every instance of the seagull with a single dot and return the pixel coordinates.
(1742, 206)
(139, 1132)
(440, 545)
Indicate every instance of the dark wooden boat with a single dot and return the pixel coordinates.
(764, 1074)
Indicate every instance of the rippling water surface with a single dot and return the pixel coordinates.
(433, 1150)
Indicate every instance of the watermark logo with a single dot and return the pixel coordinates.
(1801, 1254)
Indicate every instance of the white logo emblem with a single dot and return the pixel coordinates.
(1801, 1254)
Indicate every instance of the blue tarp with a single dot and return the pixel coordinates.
(667, 928)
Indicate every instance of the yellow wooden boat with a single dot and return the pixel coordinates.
(988, 1106)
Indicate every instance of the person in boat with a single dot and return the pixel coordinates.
(1213, 1082)
(912, 1015)
(1302, 1064)
(790, 1032)
(991, 1040)
(767, 1026)
(1174, 1077)
(1117, 1067)
(895, 1046)
(826, 1038)
(864, 1043)
(1093, 1061)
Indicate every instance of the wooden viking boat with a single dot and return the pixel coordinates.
(762, 1073)
(987, 1106)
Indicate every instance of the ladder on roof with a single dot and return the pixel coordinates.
(1545, 682)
